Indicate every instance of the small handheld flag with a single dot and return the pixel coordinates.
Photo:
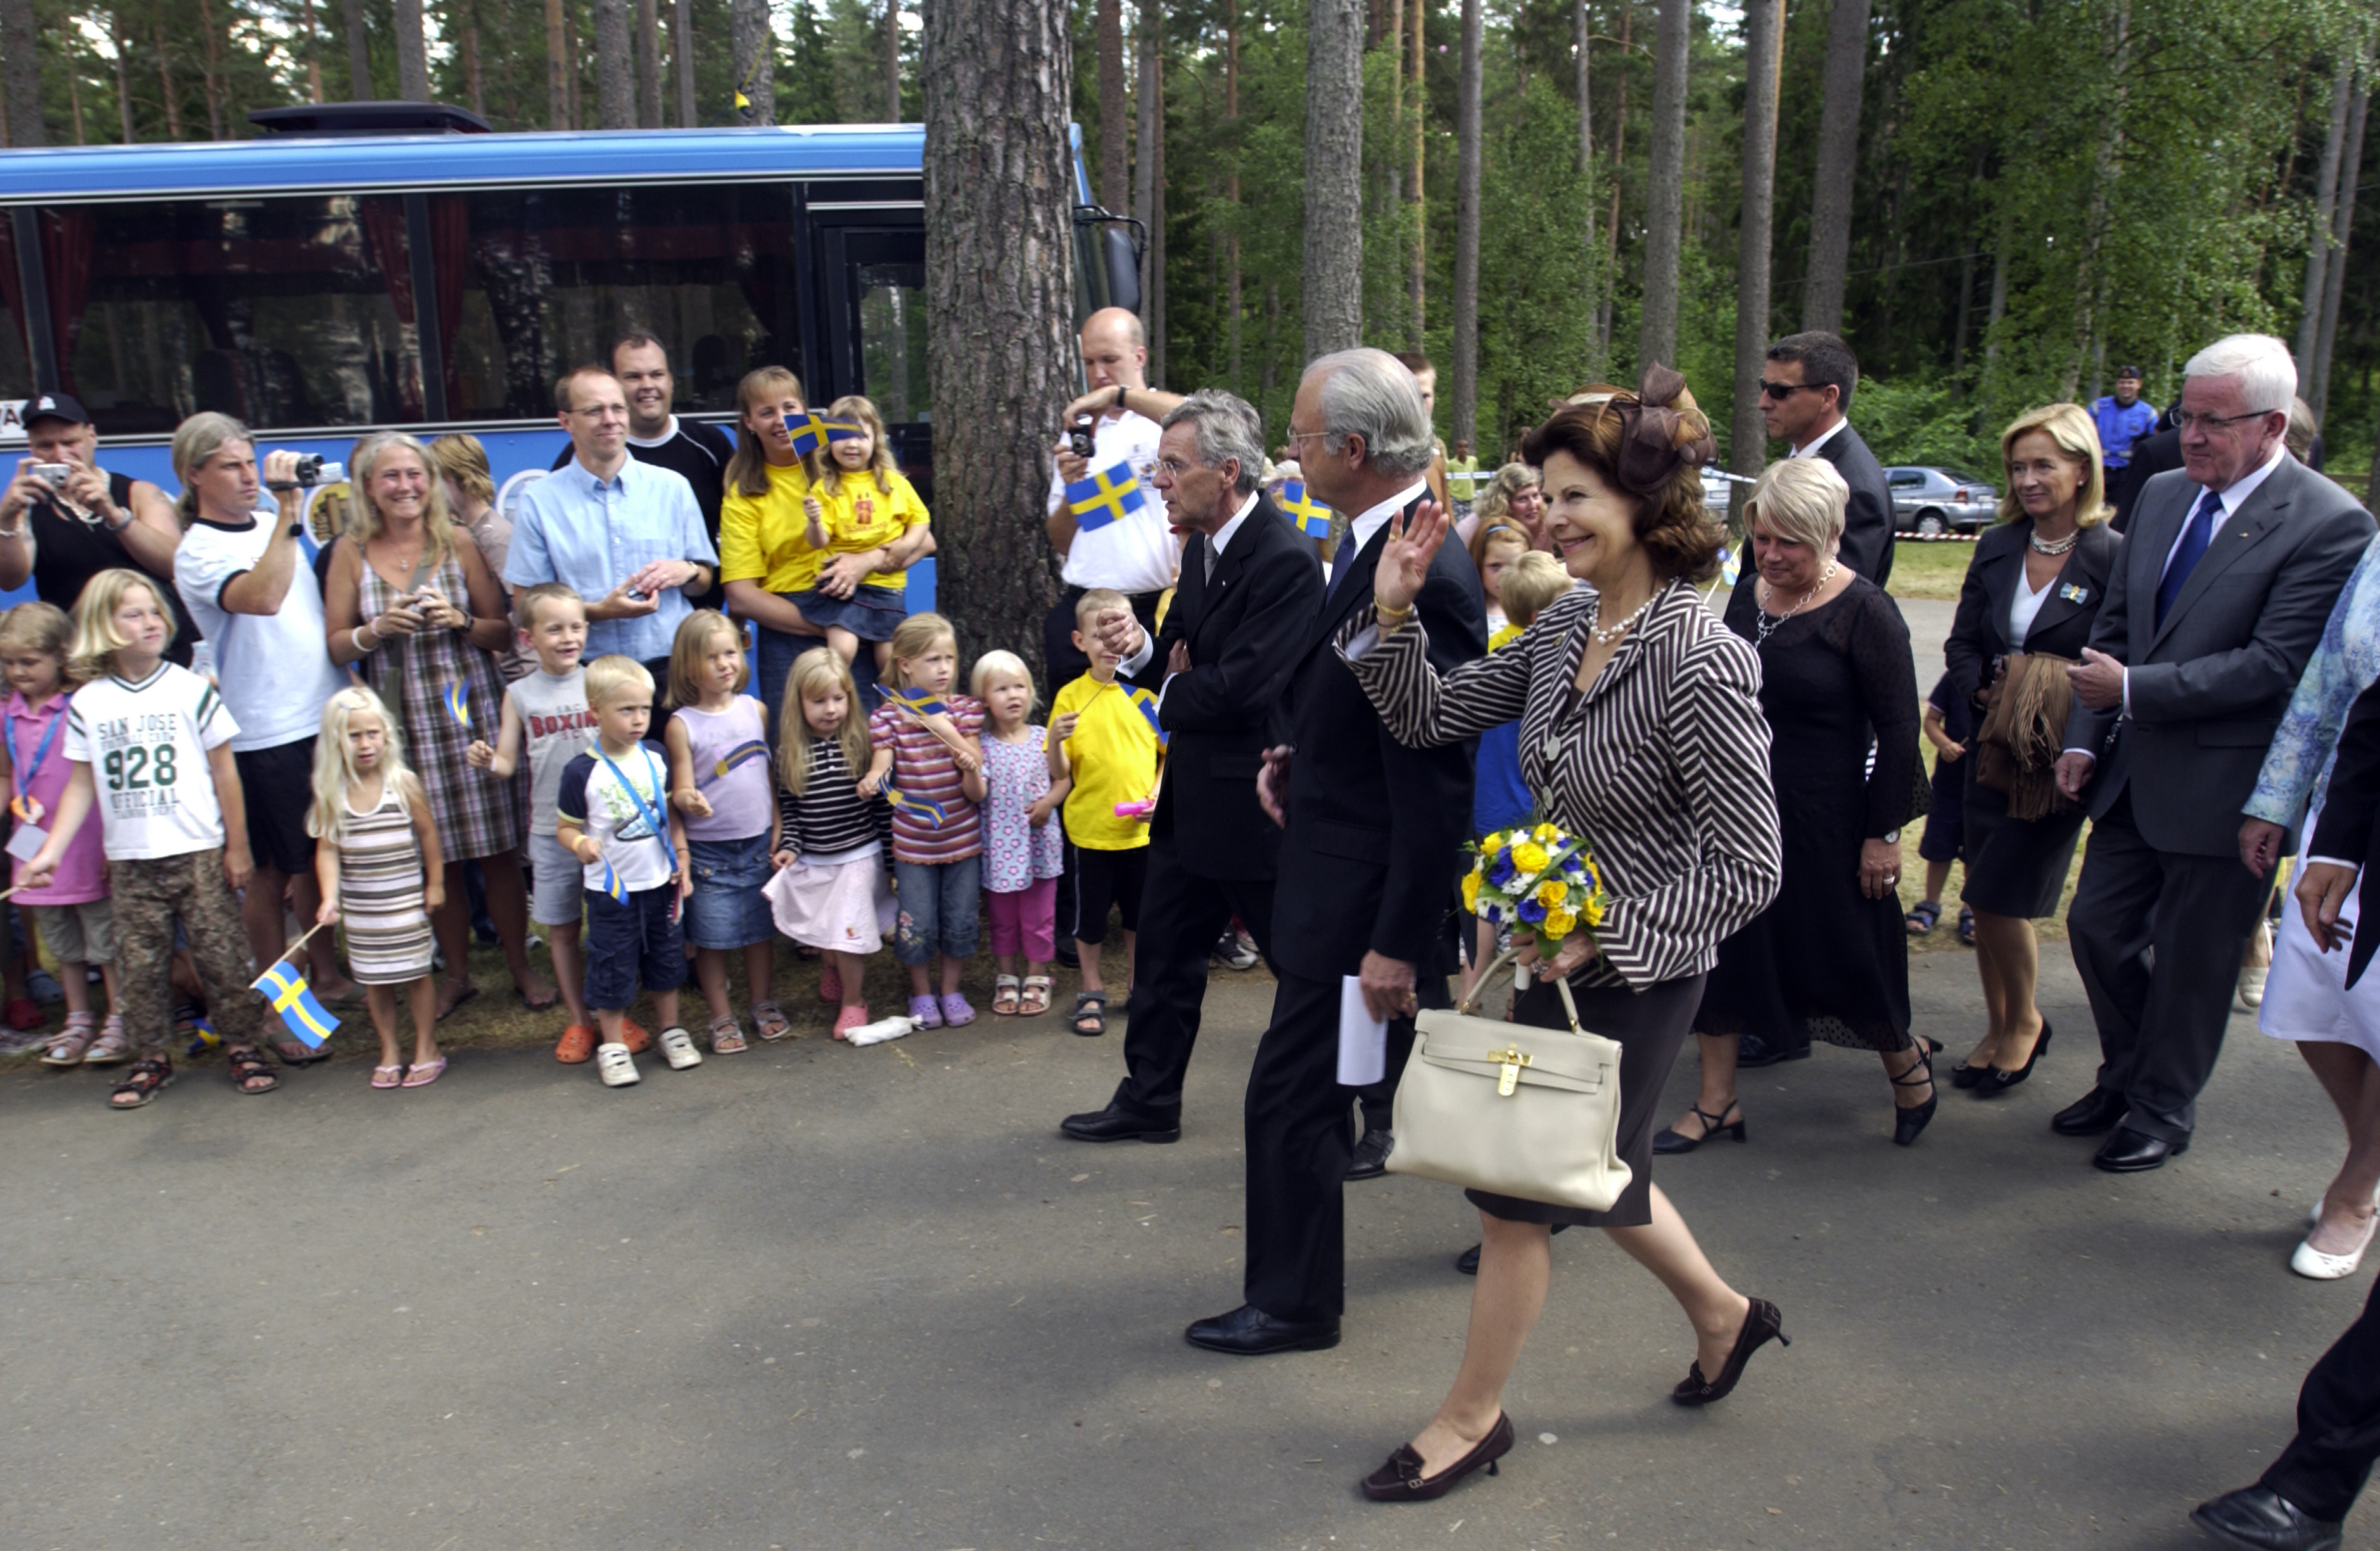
(917, 808)
(916, 702)
(286, 990)
(1104, 497)
(458, 703)
(842, 431)
(809, 433)
(613, 886)
(1147, 705)
(1308, 516)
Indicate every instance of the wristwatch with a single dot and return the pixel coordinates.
(1891, 836)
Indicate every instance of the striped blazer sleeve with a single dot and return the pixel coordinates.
(1422, 708)
(1719, 752)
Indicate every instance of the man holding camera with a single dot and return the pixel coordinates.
(64, 519)
(1134, 553)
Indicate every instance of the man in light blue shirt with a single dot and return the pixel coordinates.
(627, 535)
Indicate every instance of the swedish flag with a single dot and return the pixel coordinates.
(286, 990)
(916, 702)
(1147, 703)
(1309, 515)
(1102, 498)
(458, 703)
(842, 431)
(810, 433)
(918, 807)
(613, 886)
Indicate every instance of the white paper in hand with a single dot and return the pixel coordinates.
(1362, 1040)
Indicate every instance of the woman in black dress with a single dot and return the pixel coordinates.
(1828, 959)
(2032, 593)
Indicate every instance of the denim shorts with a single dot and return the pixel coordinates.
(632, 941)
(727, 909)
(942, 903)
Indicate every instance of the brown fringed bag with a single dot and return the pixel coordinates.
(2017, 746)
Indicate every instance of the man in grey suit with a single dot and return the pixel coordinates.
(2230, 568)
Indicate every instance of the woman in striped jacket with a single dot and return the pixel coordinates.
(1640, 732)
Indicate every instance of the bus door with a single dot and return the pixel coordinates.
(871, 269)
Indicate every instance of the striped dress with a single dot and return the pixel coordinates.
(381, 894)
(477, 814)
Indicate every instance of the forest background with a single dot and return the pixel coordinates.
(2024, 195)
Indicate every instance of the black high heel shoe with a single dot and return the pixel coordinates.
(1910, 1123)
(1667, 1140)
(1762, 1323)
(1996, 1081)
(1401, 1481)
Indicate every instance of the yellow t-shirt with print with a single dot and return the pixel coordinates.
(859, 516)
(766, 538)
(1114, 757)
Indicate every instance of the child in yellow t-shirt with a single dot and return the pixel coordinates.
(1102, 740)
(862, 504)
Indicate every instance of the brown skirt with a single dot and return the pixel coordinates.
(1651, 1026)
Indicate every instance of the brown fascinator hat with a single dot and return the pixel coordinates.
(1663, 432)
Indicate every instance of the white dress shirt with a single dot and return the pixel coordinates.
(1130, 666)
(1364, 524)
(1819, 441)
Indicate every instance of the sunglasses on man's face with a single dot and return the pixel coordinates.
(1784, 390)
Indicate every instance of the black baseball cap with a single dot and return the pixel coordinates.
(55, 406)
(2131, 372)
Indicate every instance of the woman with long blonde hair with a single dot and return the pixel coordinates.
(413, 604)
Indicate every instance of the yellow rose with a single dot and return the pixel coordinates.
(1551, 892)
(1545, 834)
(1492, 844)
(1471, 891)
(1594, 912)
(1560, 924)
(1529, 856)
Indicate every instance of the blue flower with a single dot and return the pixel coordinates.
(1531, 911)
(1502, 873)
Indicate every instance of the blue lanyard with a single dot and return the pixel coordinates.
(23, 772)
(661, 831)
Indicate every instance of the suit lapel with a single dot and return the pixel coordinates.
(2081, 573)
(2001, 578)
(2234, 536)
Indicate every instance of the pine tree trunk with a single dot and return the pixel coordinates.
(313, 64)
(412, 54)
(1116, 126)
(2316, 387)
(1583, 38)
(170, 99)
(682, 58)
(1764, 60)
(1464, 385)
(20, 39)
(615, 77)
(1331, 291)
(1143, 152)
(1611, 226)
(998, 81)
(360, 77)
(1154, 315)
(756, 60)
(1231, 303)
(213, 72)
(1416, 272)
(1998, 309)
(473, 81)
(2325, 200)
(557, 67)
(892, 61)
(1657, 336)
(1830, 201)
(648, 63)
(122, 32)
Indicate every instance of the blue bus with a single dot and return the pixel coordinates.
(333, 276)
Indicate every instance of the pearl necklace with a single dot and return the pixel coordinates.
(1767, 623)
(1605, 638)
(2053, 546)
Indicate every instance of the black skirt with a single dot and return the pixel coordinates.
(2015, 866)
(1651, 1028)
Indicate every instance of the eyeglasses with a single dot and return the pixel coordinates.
(1297, 436)
(2210, 423)
(1173, 469)
(1784, 390)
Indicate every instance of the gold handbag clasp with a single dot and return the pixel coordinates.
(1510, 1059)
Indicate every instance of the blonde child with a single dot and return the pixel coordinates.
(71, 915)
(546, 711)
(1494, 550)
(1022, 852)
(612, 814)
(937, 829)
(1101, 739)
(151, 727)
(718, 783)
(830, 891)
(383, 872)
(1528, 582)
(862, 504)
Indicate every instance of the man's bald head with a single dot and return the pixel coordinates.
(1113, 353)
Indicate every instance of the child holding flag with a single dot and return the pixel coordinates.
(377, 858)
(933, 780)
(829, 890)
(863, 505)
(1022, 852)
(175, 841)
(1104, 738)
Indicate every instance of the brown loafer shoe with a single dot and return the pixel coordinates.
(1401, 1481)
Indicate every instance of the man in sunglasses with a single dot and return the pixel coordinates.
(1805, 391)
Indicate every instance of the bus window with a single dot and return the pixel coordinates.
(275, 310)
(893, 340)
(556, 275)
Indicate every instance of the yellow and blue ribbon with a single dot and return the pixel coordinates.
(1104, 497)
(1308, 516)
(286, 990)
(742, 754)
(917, 808)
(1146, 703)
(458, 703)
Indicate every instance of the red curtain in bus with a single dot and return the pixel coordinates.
(450, 256)
(11, 295)
(69, 242)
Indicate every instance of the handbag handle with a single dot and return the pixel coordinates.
(1561, 984)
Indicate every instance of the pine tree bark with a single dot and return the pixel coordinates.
(1154, 307)
(682, 58)
(615, 76)
(2316, 386)
(892, 61)
(1830, 201)
(124, 40)
(648, 63)
(213, 73)
(21, 38)
(412, 54)
(1144, 150)
(998, 87)
(1463, 373)
(756, 60)
(2325, 200)
(167, 95)
(1619, 161)
(1583, 38)
(1331, 290)
(360, 77)
(557, 67)
(1231, 303)
(1416, 272)
(1115, 126)
(1656, 336)
(122, 31)
(1764, 60)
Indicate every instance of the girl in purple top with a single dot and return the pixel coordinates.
(1022, 852)
(718, 780)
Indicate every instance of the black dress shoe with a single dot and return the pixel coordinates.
(1371, 1158)
(1758, 1049)
(1996, 1081)
(1112, 1124)
(1762, 1323)
(2261, 1518)
(1248, 1331)
(1670, 1142)
(2136, 1152)
(2094, 1112)
(1401, 1481)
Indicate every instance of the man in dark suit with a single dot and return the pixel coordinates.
(1805, 395)
(2151, 456)
(1248, 591)
(2229, 574)
(1371, 847)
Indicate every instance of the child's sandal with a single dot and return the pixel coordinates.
(1090, 1007)
(111, 1047)
(1922, 917)
(1036, 1000)
(388, 1076)
(424, 1072)
(1005, 996)
(142, 1082)
(249, 1068)
(65, 1047)
(769, 1020)
(726, 1035)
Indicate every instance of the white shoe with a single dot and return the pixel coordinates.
(2312, 1263)
(678, 1047)
(2252, 985)
(615, 1066)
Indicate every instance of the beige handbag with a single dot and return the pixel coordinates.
(1510, 1108)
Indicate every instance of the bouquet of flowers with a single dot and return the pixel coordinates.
(1538, 879)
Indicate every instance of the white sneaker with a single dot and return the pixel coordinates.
(2252, 985)
(2312, 1263)
(678, 1047)
(615, 1066)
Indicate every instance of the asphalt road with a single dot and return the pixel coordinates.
(818, 1297)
